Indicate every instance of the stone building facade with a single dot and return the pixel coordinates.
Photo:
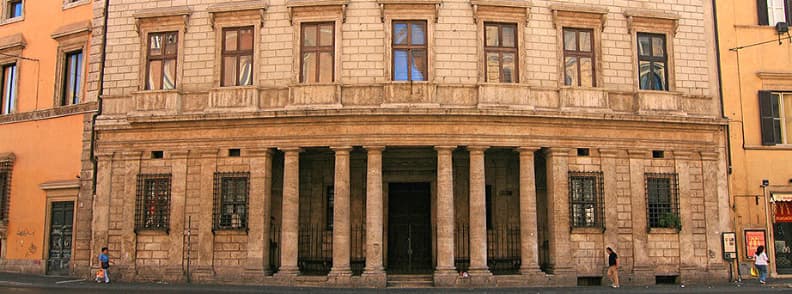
(362, 143)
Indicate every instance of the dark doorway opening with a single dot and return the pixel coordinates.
(409, 228)
(60, 237)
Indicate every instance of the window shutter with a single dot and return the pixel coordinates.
(761, 9)
(769, 122)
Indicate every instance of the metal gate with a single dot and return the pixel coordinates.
(60, 237)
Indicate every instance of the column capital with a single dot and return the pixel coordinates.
(527, 149)
(207, 153)
(477, 148)
(608, 152)
(683, 154)
(708, 155)
(179, 154)
(638, 153)
(445, 147)
(375, 148)
(557, 151)
(342, 149)
(290, 149)
(259, 152)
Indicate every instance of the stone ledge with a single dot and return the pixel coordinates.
(48, 113)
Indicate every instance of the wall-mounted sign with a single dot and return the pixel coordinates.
(754, 239)
(729, 245)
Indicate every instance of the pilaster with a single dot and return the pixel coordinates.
(257, 262)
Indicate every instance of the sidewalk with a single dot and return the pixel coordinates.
(47, 284)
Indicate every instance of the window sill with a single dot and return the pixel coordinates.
(75, 4)
(587, 230)
(780, 147)
(12, 20)
(668, 231)
(152, 232)
(240, 231)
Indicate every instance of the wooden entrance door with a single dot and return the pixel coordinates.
(409, 228)
(60, 237)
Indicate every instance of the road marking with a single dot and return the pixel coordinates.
(12, 283)
(69, 281)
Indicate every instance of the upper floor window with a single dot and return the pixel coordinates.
(72, 78)
(579, 57)
(409, 50)
(772, 12)
(775, 110)
(161, 61)
(231, 200)
(318, 52)
(662, 201)
(237, 57)
(9, 93)
(153, 202)
(13, 9)
(652, 62)
(585, 197)
(500, 49)
(5, 189)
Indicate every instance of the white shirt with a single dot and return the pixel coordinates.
(760, 259)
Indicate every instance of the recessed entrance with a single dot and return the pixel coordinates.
(60, 237)
(409, 228)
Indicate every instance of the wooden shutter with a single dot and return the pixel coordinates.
(769, 120)
(761, 9)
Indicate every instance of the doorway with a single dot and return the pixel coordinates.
(60, 237)
(409, 228)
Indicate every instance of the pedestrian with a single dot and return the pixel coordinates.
(104, 260)
(761, 261)
(613, 267)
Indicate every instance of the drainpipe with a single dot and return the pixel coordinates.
(99, 95)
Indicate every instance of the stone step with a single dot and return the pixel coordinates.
(410, 281)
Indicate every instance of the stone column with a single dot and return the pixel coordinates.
(128, 252)
(529, 244)
(290, 221)
(710, 166)
(205, 258)
(478, 216)
(374, 273)
(558, 219)
(101, 208)
(445, 273)
(257, 262)
(643, 272)
(179, 161)
(341, 270)
(611, 206)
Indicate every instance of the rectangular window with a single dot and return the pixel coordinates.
(585, 198)
(5, 189)
(153, 202)
(14, 8)
(231, 201)
(329, 208)
(161, 61)
(776, 117)
(652, 62)
(318, 52)
(662, 201)
(500, 51)
(237, 64)
(72, 78)
(409, 50)
(579, 57)
(9, 95)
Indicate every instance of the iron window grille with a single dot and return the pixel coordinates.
(330, 200)
(662, 200)
(500, 46)
(586, 207)
(5, 189)
(153, 202)
(652, 62)
(231, 200)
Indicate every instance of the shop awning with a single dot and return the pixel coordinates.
(782, 197)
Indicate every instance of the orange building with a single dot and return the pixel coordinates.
(44, 49)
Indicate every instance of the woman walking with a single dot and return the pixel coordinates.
(761, 261)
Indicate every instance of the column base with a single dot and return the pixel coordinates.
(481, 277)
(253, 275)
(202, 273)
(530, 270)
(374, 278)
(340, 277)
(445, 277)
(287, 272)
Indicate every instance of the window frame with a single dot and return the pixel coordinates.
(317, 49)
(773, 118)
(653, 59)
(500, 49)
(220, 179)
(8, 105)
(652, 221)
(6, 170)
(149, 184)
(597, 200)
(591, 54)
(7, 9)
(238, 54)
(162, 58)
(77, 94)
(409, 48)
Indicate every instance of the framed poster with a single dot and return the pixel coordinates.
(754, 239)
(729, 245)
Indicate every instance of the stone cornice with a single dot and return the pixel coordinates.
(608, 152)
(48, 113)
(7, 157)
(60, 185)
(15, 41)
(72, 29)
